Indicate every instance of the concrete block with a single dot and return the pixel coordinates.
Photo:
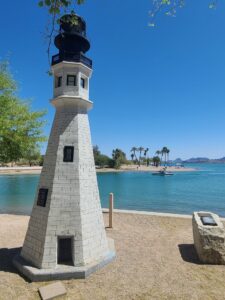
(209, 237)
(63, 272)
(52, 291)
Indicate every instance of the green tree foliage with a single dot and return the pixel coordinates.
(133, 154)
(119, 158)
(96, 151)
(167, 7)
(170, 8)
(158, 152)
(20, 128)
(165, 152)
(148, 160)
(101, 160)
(33, 156)
(57, 6)
(156, 161)
(145, 156)
(140, 150)
(55, 9)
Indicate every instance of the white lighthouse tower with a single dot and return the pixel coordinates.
(66, 235)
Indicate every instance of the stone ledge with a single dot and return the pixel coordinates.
(63, 272)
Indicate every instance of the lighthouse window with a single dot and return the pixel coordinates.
(68, 154)
(42, 197)
(58, 81)
(82, 82)
(71, 80)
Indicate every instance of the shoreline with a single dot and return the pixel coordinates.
(20, 170)
(132, 212)
(134, 168)
(124, 168)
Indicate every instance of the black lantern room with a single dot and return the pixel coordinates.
(72, 41)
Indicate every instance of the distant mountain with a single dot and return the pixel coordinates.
(194, 160)
(178, 161)
(197, 160)
(218, 160)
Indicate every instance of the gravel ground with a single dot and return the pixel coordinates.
(155, 260)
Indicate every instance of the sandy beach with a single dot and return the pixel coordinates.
(124, 168)
(20, 170)
(135, 168)
(155, 260)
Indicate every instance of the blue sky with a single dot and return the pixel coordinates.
(151, 87)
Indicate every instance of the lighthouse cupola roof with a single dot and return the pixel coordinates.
(72, 41)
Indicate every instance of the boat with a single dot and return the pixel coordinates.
(163, 172)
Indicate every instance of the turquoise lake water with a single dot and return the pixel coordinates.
(182, 193)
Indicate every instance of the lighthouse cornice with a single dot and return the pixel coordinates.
(71, 102)
(71, 64)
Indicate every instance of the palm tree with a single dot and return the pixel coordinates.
(158, 153)
(140, 149)
(132, 156)
(167, 152)
(161, 158)
(164, 152)
(134, 149)
(145, 153)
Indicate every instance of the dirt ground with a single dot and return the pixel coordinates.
(155, 260)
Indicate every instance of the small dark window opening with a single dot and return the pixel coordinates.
(58, 81)
(82, 82)
(71, 80)
(65, 247)
(42, 197)
(68, 154)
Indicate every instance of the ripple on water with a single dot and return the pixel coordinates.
(182, 193)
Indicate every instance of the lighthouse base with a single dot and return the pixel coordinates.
(63, 272)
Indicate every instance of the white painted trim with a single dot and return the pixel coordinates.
(75, 101)
(70, 64)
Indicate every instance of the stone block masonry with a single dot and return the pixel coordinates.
(66, 235)
(66, 227)
(73, 207)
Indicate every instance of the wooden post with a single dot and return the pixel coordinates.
(111, 200)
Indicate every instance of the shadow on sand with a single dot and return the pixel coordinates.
(6, 259)
(189, 254)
